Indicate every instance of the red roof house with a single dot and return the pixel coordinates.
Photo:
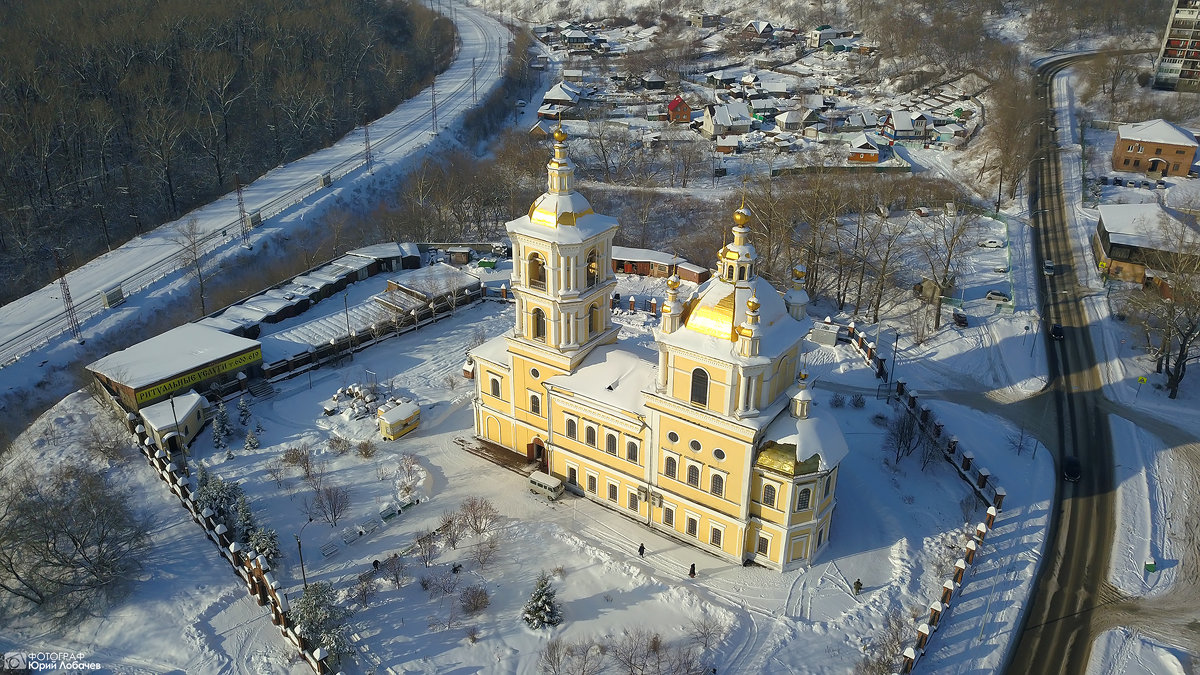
(679, 111)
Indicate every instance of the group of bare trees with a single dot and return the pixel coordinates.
(637, 651)
(119, 115)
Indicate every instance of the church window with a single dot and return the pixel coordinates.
(693, 476)
(631, 451)
(669, 517)
(699, 387)
(693, 527)
(610, 444)
(715, 537)
(672, 436)
(495, 387)
(572, 476)
(764, 544)
(828, 485)
(719, 454)
(803, 499)
(535, 404)
(820, 537)
(633, 501)
(572, 429)
(593, 269)
(768, 498)
(537, 272)
(538, 319)
(671, 468)
(612, 492)
(729, 272)
(741, 273)
(590, 436)
(718, 486)
(695, 445)
(593, 319)
(592, 484)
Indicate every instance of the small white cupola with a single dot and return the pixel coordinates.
(749, 332)
(800, 403)
(672, 312)
(796, 298)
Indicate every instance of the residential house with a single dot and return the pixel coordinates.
(563, 94)
(817, 37)
(764, 108)
(1156, 147)
(795, 120)
(551, 111)
(948, 134)
(758, 29)
(678, 111)
(573, 75)
(577, 39)
(1140, 243)
(728, 118)
(861, 121)
(1178, 65)
(905, 125)
(728, 145)
(653, 80)
(815, 101)
(721, 78)
(706, 20)
(863, 149)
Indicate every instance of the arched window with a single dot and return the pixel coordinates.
(828, 484)
(631, 451)
(537, 322)
(718, 486)
(537, 271)
(729, 272)
(699, 387)
(571, 429)
(593, 269)
(610, 444)
(535, 404)
(741, 273)
(495, 387)
(693, 477)
(590, 436)
(803, 498)
(671, 467)
(769, 496)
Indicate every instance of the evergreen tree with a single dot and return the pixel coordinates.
(243, 411)
(245, 524)
(258, 427)
(542, 609)
(251, 441)
(320, 620)
(265, 541)
(221, 496)
(220, 429)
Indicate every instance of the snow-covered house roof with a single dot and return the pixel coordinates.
(575, 34)
(760, 27)
(179, 350)
(1140, 225)
(392, 413)
(863, 143)
(901, 120)
(676, 103)
(165, 414)
(734, 113)
(562, 93)
(436, 279)
(798, 446)
(645, 255)
(613, 375)
(1156, 131)
(409, 249)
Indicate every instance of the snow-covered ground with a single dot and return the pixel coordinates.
(1122, 652)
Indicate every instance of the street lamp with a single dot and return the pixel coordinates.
(300, 550)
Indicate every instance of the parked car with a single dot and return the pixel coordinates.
(1056, 332)
(922, 211)
(1147, 185)
(1000, 269)
(1102, 180)
(1118, 181)
(521, 103)
(992, 242)
(998, 296)
(960, 319)
(1160, 184)
(1048, 267)
(1071, 469)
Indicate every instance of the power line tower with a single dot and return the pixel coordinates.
(68, 305)
(367, 143)
(237, 182)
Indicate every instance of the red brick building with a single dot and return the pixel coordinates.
(678, 111)
(1154, 147)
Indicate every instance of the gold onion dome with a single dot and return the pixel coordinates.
(753, 304)
(673, 282)
(742, 216)
(560, 135)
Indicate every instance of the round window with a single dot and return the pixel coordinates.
(673, 437)
(533, 372)
(695, 445)
(719, 454)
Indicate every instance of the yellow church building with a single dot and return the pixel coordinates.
(707, 436)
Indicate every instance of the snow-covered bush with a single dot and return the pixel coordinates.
(265, 541)
(251, 441)
(320, 620)
(220, 427)
(243, 411)
(244, 526)
(474, 599)
(219, 495)
(542, 609)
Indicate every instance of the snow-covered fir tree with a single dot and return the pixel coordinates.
(265, 541)
(221, 496)
(220, 428)
(320, 620)
(258, 427)
(542, 609)
(245, 524)
(243, 411)
(251, 441)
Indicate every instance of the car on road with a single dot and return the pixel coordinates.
(998, 296)
(521, 103)
(1048, 267)
(1056, 332)
(1071, 469)
(1000, 269)
(991, 242)
(960, 319)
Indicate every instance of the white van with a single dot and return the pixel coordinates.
(544, 483)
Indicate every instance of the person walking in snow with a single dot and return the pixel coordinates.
(642, 550)
(692, 571)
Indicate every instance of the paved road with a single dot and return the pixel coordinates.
(32, 321)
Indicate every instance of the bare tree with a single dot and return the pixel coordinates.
(451, 528)
(1019, 440)
(883, 654)
(931, 449)
(330, 503)
(364, 591)
(191, 241)
(706, 631)
(903, 434)
(426, 546)
(394, 568)
(69, 541)
(478, 514)
(942, 243)
(484, 550)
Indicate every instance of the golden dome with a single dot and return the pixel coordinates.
(673, 282)
(560, 135)
(753, 304)
(715, 320)
(741, 216)
(798, 272)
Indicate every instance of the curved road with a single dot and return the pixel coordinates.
(30, 322)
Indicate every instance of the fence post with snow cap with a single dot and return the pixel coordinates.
(910, 659)
(960, 570)
(935, 613)
(991, 517)
(922, 635)
(981, 531)
(982, 477)
(948, 589)
(972, 547)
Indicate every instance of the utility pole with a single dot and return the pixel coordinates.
(245, 222)
(499, 57)
(137, 226)
(474, 98)
(367, 143)
(433, 101)
(104, 225)
(68, 305)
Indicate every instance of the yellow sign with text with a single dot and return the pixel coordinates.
(147, 395)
